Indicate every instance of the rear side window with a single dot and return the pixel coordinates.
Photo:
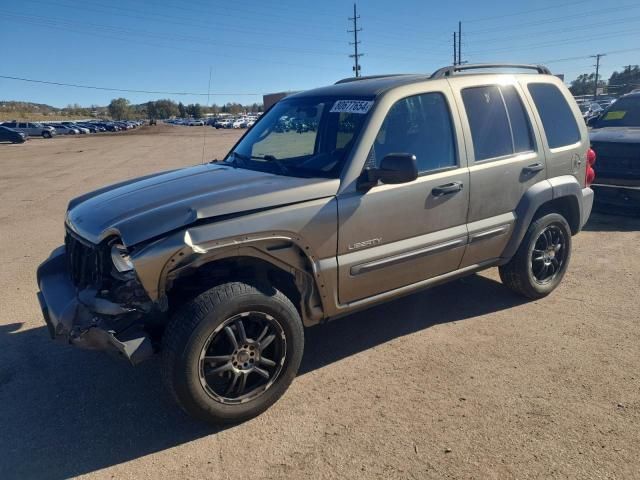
(557, 118)
(499, 124)
(520, 126)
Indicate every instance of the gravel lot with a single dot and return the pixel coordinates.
(463, 381)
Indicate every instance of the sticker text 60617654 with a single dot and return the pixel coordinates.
(352, 106)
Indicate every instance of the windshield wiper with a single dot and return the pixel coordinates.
(242, 160)
(284, 170)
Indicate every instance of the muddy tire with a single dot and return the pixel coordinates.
(542, 259)
(232, 352)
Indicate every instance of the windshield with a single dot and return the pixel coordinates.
(623, 113)
(305, 137)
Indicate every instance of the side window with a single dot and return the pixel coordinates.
(490, 130)
(420, 125)
(520, 126)
(498, 121)
(557, 118)
(22, 125)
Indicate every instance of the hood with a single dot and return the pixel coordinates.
(148, 207)
(615, 134)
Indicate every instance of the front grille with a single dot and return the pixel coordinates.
(83, 261)
(617, 160)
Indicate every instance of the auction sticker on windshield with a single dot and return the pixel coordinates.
(352, 106)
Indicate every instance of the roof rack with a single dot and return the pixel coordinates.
(451, 70)
(370, 77)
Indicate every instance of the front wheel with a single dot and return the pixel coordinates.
(46, 134)
(542, 258)
(232, 352)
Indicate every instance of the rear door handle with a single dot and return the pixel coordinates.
(533, 168)
(446, 189)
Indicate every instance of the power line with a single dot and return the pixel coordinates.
(355, 55)
(526, 12)
(554, 43)
(154, 92)
(555, 31)
(560, 19)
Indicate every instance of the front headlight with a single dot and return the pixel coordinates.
(120, 258)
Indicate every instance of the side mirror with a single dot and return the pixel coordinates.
(394, 168)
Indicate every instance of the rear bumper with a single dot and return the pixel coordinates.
(587, 205)
(83, 319)
(622, 197)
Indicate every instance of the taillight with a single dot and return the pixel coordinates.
(590, 174)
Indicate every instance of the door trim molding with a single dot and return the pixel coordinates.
(410, 255)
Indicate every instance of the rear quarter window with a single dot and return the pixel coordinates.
(558, 120)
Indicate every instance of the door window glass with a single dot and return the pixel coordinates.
(490, 130)
(520, 126)
(420, 125)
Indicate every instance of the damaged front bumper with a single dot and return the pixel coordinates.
(83, 318)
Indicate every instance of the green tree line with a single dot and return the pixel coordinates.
(619, 83)
(122, 109)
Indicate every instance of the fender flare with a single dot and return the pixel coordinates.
(177, 255)
(536, 196)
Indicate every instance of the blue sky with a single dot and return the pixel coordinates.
(255, 47)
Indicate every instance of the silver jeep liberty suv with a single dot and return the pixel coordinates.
(337, 199)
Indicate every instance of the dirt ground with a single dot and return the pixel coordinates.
(465, 380)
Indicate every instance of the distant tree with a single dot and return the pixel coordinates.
(162, 109)
(625, 81)
(584, 84)
(182, 111)
(195, 110)
(119, 109)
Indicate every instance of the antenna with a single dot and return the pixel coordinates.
(204, 131)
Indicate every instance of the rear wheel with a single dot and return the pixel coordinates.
(542, 258)
(230, 353)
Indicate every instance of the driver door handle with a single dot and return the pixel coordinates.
(535, 167)
(446, 189)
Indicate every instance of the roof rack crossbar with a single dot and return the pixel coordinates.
(451, 70)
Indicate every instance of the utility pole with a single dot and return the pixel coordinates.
(455, 49)
(597, 65)
(459, 43)
(355, 55)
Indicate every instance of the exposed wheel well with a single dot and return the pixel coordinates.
(226, 270)
(566, 206)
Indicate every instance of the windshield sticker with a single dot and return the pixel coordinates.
(352, 106)
(618, 115)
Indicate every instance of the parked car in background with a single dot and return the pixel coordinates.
(77, 127)
(31, 129)
(195, 123)
(615, 137)
(64, 129)
(13, 136)
(92, 128)
(223, 123)
(590, 110)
